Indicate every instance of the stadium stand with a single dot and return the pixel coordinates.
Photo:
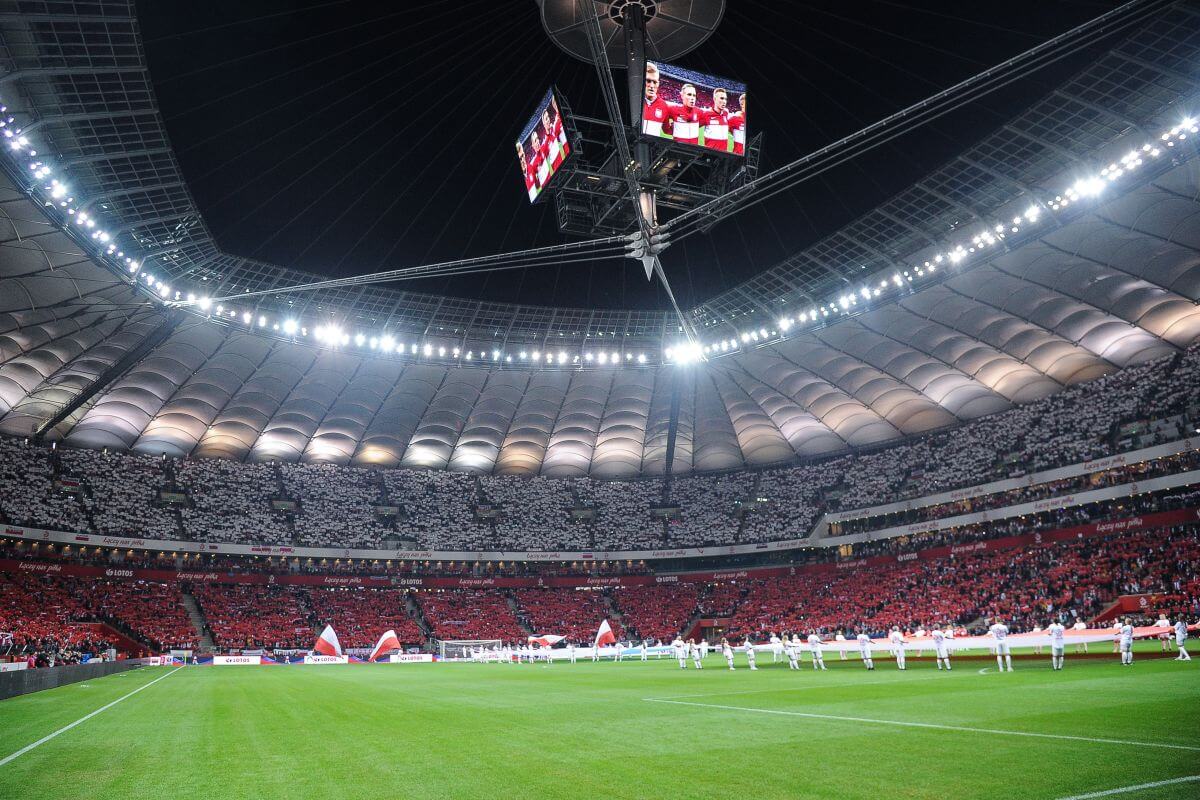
(471, 614)
(566, 612)
(325, 505)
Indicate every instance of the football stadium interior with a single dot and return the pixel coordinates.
(309, 489)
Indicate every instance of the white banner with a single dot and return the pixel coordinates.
(410, 658)
(315, 659)
(13, 666)
(220, 661)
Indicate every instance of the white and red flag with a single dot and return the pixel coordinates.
(605, 635)
(327, 643)
(546, 639)
(387, 643)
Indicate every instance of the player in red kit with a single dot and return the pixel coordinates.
(716, 122)
(555, 140)
(531, 186)
(684, 119)
(737, 126)
(654, 109)
(539, 164)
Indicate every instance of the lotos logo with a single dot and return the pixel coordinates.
(907, 557)
(409, 582)
(666, 579)
(118, 573)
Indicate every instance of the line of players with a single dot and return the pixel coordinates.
(683, 121)
(549, 149)
(793, 648)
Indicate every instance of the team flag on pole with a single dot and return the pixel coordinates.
(546, 639)
(386, 644)
(327, 643)
(605, 635)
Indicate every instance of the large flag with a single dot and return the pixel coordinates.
(327, 643)
(605, 635)
(387, 643)
(546, 639)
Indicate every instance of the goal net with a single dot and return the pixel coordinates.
(467, 649)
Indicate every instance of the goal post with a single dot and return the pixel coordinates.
(465, 649)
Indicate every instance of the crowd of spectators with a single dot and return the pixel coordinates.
(326, 505)
(471, 614)
(1067, 580)
(573, 613)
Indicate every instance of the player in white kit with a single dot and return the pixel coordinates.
(864, 650)
(1058, 643)
(645, 650)
(840, 638)
(697, 654)
(776, 648)
(1125, 640)
(727, 651)
(814, 645)
(999, 632)
(704, 648)
(1181, 639)
(681, 651)
(620, 648)
(940, 649)
(571, 651)
(791, 648)
(1164, 638)
(1080, 626)
(750, 654)
(896, 638)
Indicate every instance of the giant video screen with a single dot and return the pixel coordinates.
(693, 108)
(542, 146)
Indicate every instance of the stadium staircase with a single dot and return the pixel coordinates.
(199, 623)
(518, 613)
(418, 616)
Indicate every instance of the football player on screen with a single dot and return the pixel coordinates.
(655, 111)
(716, 122)
(684, 118)
(737, 126)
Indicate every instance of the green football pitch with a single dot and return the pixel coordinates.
(614, 730)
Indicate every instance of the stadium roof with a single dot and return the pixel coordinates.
(87, 355)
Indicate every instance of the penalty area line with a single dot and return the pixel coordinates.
(1135, 788)
(83, 719)
(933, 726)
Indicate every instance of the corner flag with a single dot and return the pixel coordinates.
(327, 643)
(386, 643)
(605, 635)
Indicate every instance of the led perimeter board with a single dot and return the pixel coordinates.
(693, 108)
(542, 146)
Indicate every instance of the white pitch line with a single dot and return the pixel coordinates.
(83, 719)
(788, 689)
(1135, 788)
(933, 726)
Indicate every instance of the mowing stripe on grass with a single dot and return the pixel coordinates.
(1136, 788)
(932, 726)
(82, 719)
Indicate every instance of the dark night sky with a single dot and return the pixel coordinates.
(348, 137)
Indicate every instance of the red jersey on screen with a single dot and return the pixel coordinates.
(737, 124)
(540, 168)
(654, 115)
(552, 154)
(716, 129)
(684, 123)
(531, 186)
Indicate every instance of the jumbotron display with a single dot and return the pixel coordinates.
(542, 146)
(693, 108)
